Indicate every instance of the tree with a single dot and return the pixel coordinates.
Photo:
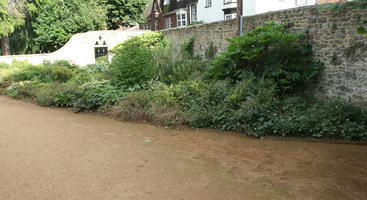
(125, 12)
(59, 20)
(11, 15)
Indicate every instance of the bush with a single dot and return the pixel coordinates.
(57, 94)
(156, 105)
(269, 51)
(22, 90)
(133, 63)
(96, 94)
(182, 70)
(47, 73)
(308, 117)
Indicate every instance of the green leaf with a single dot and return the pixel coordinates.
(361, 30)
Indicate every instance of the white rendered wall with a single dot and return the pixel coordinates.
(78, 50)
(253, 7)
(210, 14)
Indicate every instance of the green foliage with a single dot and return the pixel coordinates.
(272, 52)
(255, 69)
(96, 94)
(181, 70)
(211, 52)
(57, 94)
(11, 16)
(22, 90)
(156, 105)
(196, 23)
(125, 12)
(59, 20)
(174, 67)
(45, 73)
(133, 63)
(307, 117)
(187, 48)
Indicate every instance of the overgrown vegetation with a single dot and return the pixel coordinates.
(257, 87)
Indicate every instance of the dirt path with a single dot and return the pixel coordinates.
(56, 154)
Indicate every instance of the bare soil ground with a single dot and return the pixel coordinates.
(56, 154)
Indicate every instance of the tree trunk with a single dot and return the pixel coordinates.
(5, 47)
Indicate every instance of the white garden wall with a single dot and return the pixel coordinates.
(79, 49)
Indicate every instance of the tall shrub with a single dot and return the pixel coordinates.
(133, 63)
(269, 51)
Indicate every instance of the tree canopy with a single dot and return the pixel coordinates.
(46, 25)
(59, 20)
(10, 16)
(125, 12)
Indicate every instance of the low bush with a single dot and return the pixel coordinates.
(96, 94)
(156, 105)
(57, 94)
(44, 73)
(22, 90)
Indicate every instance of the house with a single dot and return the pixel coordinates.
(165, 14)
(216, 10)
(254, 7)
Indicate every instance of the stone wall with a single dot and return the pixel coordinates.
(215, 32)
(333, 35)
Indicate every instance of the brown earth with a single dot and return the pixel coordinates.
(56, 154)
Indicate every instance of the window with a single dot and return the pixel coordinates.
(155, 25)
(229, 1)
(100, 52)
(181, 20)
(168, 22)
(301, 2)
(208, 3)
(230, 16)
(194, 13)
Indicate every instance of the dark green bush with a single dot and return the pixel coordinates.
(57, 94)
(270, 51)
(133, 63)
(308, 117)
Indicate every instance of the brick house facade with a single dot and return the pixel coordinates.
(165, 14)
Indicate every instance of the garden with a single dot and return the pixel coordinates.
(258, 86)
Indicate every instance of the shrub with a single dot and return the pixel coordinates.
(96, 94)
(156, 105)
(22, 90)
(57, 94)
(182, 70)
(47, 73)
(133, 63)
(308, 117)
(270, 51)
